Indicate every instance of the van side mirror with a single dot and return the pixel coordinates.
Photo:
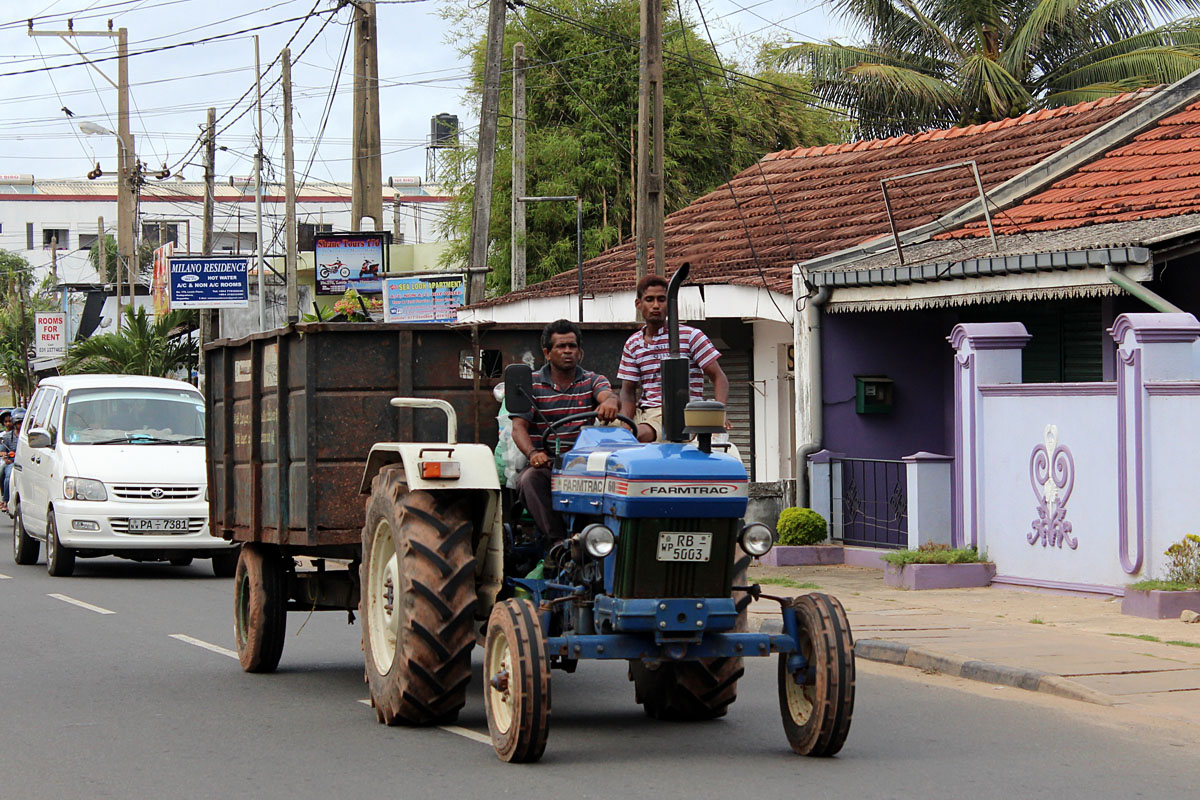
(39, 437)
(518, 388)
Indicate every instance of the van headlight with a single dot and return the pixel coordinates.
(83, 489)
(756, 539)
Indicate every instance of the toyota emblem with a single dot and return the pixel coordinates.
(157, 493)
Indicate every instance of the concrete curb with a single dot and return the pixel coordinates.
(1032, 680)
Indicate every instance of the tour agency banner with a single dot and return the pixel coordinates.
(432, 298)
(350, 261)
(215, 282)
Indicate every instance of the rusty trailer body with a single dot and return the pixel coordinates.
(294, 412)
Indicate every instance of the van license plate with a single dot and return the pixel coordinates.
(674, 546)
(157, 525)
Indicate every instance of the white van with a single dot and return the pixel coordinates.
(113, 465)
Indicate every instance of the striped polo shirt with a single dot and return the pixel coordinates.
(642, 354)
(581, 395)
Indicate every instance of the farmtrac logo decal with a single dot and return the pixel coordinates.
(564, 483)
(678, 488)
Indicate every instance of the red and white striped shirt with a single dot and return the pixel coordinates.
(642, 354)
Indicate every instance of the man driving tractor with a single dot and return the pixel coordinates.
(560, 388)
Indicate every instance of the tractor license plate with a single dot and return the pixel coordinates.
(157, 525)
(684, 546)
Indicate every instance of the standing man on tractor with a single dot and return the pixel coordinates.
(641, 369)
(560, 388)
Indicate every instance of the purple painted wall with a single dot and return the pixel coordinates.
(911, 349)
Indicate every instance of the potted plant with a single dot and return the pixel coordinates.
(801, 533)
(937, 566)
(1179, 592)
(350, 307)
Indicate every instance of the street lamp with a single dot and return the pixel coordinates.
(578, 233)
(127, 186)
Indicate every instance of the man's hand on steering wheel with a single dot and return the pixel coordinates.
(539, 458)
(607, 411)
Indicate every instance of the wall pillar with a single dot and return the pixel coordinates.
(824, 476)
(1150, 347)
(930, 481)
(985, 353)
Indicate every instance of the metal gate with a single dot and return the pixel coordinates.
(869, 502)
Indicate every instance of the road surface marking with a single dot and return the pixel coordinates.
(5, 578)
(457, 730)
(183, 637)
(80, 603)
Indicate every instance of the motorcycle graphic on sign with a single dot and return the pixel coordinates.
(350, 261)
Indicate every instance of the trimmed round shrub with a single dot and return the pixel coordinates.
(798, 526)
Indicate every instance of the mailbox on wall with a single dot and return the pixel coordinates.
(872, 394)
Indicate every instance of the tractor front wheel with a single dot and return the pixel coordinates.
(816, 711)
(418, 601)
(516, 682)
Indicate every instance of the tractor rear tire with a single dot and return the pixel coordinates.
(418, 601)
(516, 682)
(816, 714)
(693, 691)
(260, 606)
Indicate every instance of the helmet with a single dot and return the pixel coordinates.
(18, 414)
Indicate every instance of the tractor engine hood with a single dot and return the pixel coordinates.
(609, 473)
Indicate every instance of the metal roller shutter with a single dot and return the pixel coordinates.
(737, 370)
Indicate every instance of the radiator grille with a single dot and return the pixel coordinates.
(639, 573)
(152, 492)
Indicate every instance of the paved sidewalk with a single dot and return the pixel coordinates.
(1068, 645)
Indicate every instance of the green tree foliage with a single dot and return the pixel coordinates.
(143, 346)
(16, 328)
(581, 89)
(934, 63)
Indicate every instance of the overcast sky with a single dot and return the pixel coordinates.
(421, 74)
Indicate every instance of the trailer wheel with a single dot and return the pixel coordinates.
(516, 682)
(816, 713)
(260, 606)
(417, 602)
(25, 547)
(693, 691)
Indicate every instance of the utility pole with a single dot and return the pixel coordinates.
(290, 191)
(258, 165)
(485, 162)
(54, 258)
(127, 167)
(210, 199)
(650, 136)
(366, 195)
(518, 168)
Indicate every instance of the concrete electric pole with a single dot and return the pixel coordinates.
(485, 163)
(650, 140)
(517, 270)
(289, 185)
(366, 196)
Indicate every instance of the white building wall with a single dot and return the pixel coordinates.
(773, 401)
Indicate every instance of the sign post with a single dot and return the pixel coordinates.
(50, 334)
(209, 282)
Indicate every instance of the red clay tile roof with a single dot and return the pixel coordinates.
(830, 199)
(1157, 174)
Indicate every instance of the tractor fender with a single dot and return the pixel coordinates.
(476, 462)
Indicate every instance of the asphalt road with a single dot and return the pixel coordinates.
(132, 704)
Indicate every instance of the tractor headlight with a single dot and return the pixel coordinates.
(756, 539)
(598, 540)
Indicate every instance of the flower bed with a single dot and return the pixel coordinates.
(936, 566)
(803, 555)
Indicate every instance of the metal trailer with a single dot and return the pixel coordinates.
(292, 416)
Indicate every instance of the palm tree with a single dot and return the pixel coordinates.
(144, 346)
(934, 63)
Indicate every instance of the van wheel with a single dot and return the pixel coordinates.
(25, 547)
(60, 560)
(181, 562)
(224, 564)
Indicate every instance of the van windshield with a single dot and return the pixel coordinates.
(133, 416)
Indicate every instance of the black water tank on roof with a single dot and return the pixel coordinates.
(443, 131)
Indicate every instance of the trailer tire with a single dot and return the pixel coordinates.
(816, 714)
(260, 606)
(417, 601)
(693, 691)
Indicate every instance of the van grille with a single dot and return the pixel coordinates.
(150, 492)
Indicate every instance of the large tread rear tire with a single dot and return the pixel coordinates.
(25, 547)
(693, 691)
(60, 560)
(260, 606)
(417, 602)
(816, 714)
(516, 682)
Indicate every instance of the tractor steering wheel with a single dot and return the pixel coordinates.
(552, 428)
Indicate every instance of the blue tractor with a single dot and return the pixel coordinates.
(653, 571)
(655, 574)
